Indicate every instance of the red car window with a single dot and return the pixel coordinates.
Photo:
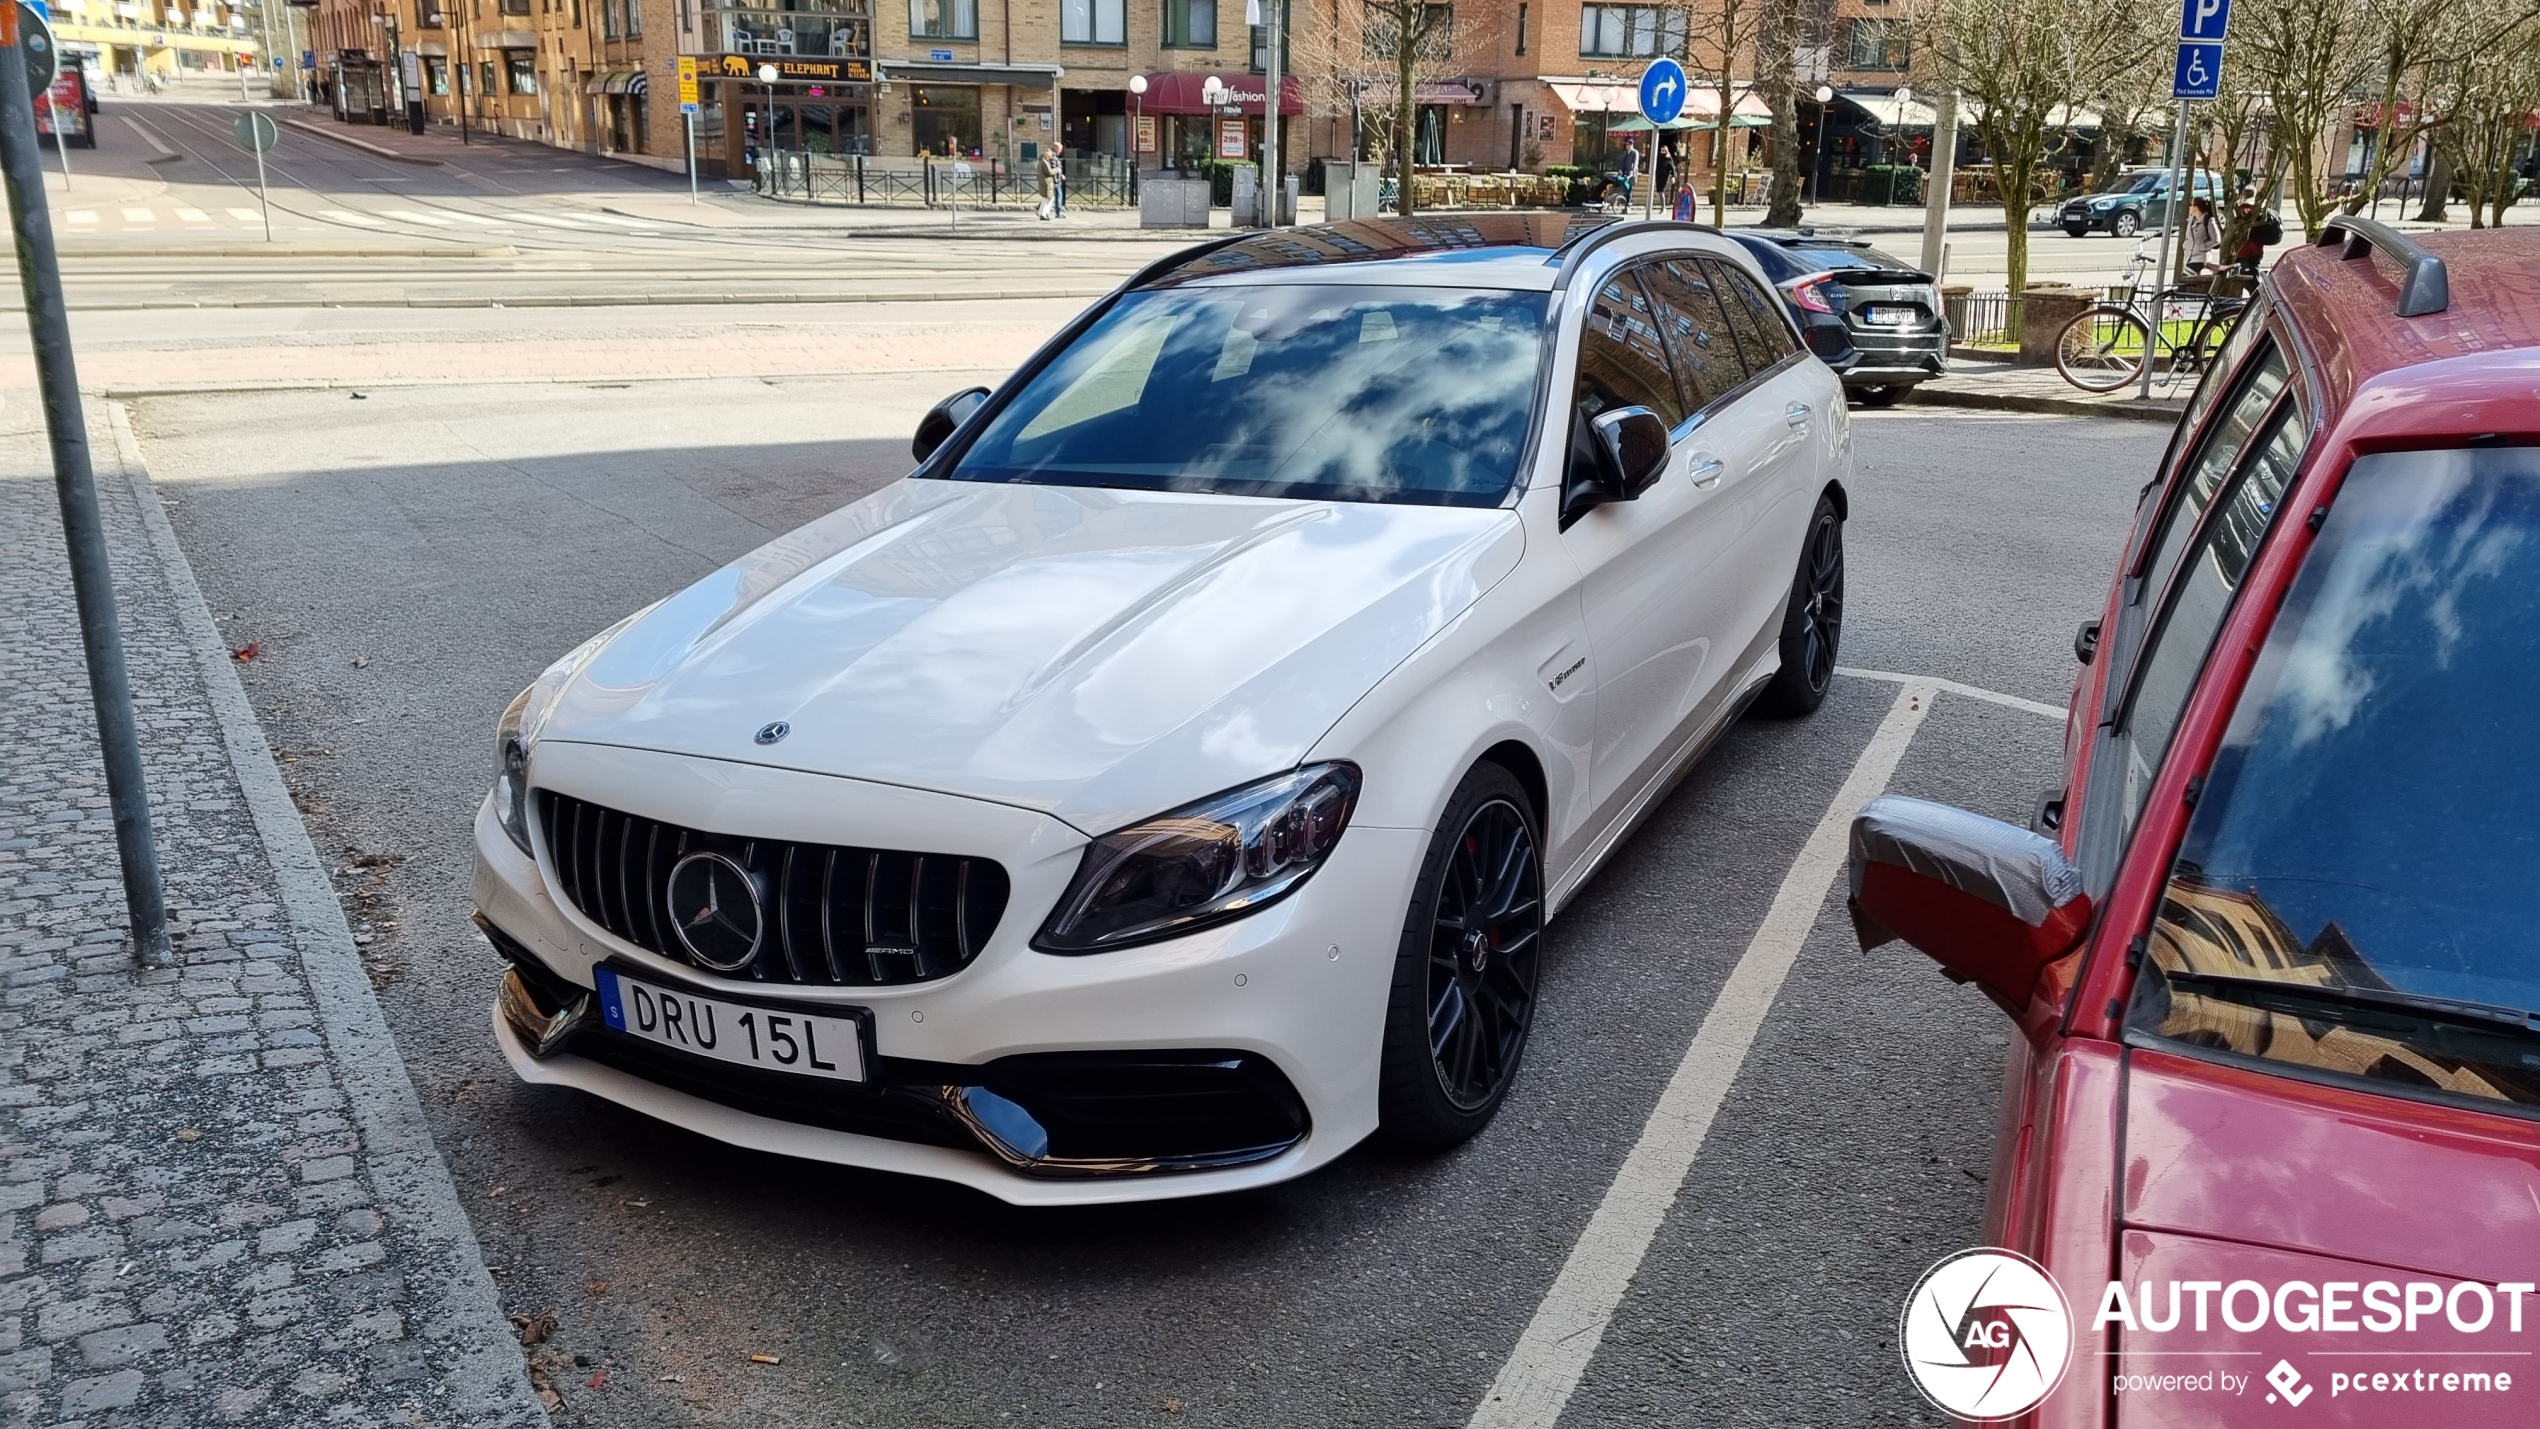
(2200, 478)
(2351, 896)
(2224, 546)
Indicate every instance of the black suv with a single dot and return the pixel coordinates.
(1873, 317)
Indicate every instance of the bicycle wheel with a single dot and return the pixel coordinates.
(2197, 354)
(2102, 350)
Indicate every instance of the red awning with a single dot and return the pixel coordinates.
(1179, 93)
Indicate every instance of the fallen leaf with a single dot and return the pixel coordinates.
(361, 662)
(187, 1133)
(597, 1287)
(497, 1191)
(534, 1329)
(248, 651)
(553, 1401)
(600, 1380)
(1172, 1406)
(767, 1359)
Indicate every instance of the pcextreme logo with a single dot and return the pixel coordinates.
(1986, 1335)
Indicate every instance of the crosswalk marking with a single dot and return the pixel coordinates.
(193, 215)
(245, 215)
(408, 215)
(547, 220)
(347, 216)
(81, 215)
(139, 215)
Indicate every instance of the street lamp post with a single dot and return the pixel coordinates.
(1137, 118)
(767, 146)
(1812, 190)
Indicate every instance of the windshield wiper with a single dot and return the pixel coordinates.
(2271, 995)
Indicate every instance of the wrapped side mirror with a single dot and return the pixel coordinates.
(943, 419)
(1993, 904)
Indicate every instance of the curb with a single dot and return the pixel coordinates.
(1929, 394)
(584, 300)
(489, 1383)
(377, 151)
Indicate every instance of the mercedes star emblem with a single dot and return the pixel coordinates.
(770, 733)
(714, 909)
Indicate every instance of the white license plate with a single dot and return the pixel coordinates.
(1892, 317)
(803, 1043)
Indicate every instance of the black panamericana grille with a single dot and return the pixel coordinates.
(829, 916)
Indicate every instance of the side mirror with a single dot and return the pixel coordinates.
(1992, 904)
(943, 419)
(1614, 456)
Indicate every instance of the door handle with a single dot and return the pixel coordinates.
(1706, 471)
(1796, 414)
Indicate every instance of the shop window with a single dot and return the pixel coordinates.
(945, 118)
(943, 19)
(1630, 31)
(1190, 24)
(1879, 44)
(1093, 22)
(522, 70)
(436, 75)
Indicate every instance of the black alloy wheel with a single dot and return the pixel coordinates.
(1812, 624)
(1465, 976)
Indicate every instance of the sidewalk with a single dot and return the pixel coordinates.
(2011, 387)
(218, 1203)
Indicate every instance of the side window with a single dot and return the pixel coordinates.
(1760, 330)
(2197, 481)
(2176, 651)
(1708, 364)
(1622, 359)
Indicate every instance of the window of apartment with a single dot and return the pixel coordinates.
(634, 19)
(609, 18)
(1436, 40)
(515, 7)
(485, 77)
(1626, 31)
(436, 74)
(521, 68)
(1879, 44)
(1190, 24)
(1287, 37)
(1093, 22)
(1521, 29)
(943, 19)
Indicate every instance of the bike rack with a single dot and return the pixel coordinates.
(2427, 287)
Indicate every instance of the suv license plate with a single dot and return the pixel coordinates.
(806, 1044)
(1891, 317)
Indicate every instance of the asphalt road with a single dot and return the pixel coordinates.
(409, 561)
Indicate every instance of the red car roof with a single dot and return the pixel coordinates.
(2471, 369)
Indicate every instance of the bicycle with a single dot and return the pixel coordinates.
(2104, 348)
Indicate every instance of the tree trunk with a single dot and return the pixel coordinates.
(2016, 179)
(1406, 105)
(1776, 53)
(2438, 187)
(1720, 135)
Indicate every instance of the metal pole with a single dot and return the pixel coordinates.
(1944, 165)
(62, 143)
(264, 200)
(2161, 272)
(1272, 182)
(689, 119)
(75, 482)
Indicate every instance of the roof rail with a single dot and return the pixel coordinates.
(2428, 285)
(1569, 254)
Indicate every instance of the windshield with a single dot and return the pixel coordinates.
(2146, 183)
(2367, 832)
(1332, 392)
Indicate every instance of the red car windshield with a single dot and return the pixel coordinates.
(2352, 894)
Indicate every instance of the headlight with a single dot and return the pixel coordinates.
(518, 727)
(1217, 859)
(511, 784)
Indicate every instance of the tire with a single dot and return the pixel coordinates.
(1887, 396)
(1463, 997)
(2076, 230)
(2127, 224)
(2102, 349)
(1812, 623)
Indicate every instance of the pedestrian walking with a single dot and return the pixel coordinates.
(1053, 183)
(1666, 172)
(2204, 234)
(1630, 170)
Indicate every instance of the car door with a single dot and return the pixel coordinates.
(1646, 564)
(1785, 417)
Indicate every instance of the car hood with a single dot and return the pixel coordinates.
(1099, 655)
(2260, 1160)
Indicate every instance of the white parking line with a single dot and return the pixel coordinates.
(1554, 1351)
(1973, 692)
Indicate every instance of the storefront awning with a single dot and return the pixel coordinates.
(1890, 111)
(1012, 76)
(1179, 93)
(2062, 116)
(1585, 97)
(1450, 91)
(611, 82)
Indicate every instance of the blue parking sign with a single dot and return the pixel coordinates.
(2204, 19)
(2199, 73)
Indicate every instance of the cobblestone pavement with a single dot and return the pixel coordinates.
(214, 1205)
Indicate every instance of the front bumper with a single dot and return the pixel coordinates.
(1282, 1008)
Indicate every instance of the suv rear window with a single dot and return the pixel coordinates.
(2351, 897)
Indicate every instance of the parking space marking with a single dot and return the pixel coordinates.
(1554, 1351)
(1973, 692)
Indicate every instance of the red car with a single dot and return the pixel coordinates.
(2274, 1122)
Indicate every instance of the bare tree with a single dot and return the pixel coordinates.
(1729, 39)
(2020, 66)
(2487, 96)
(1382, 51)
